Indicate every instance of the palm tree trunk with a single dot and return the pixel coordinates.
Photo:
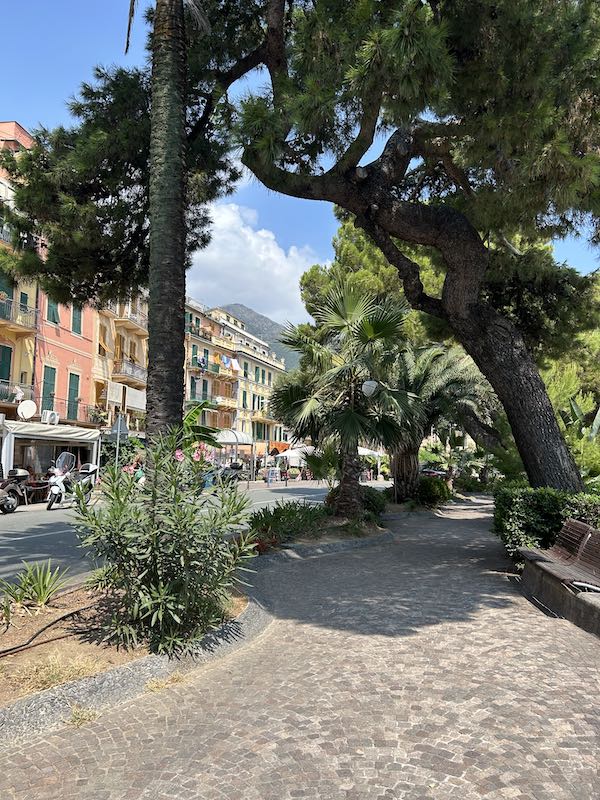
(167, 219)
(405, 472)
(349, 496)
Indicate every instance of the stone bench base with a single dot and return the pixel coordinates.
(542, 580)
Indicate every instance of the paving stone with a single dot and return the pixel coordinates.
(412, 670)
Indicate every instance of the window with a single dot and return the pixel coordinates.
(257, 374)
(48, 384)
(197, 322)
(192, 388)
(102, 338)
(53, 316)
(24, 302)
(194, 355)
(263, 376)
(133, 351)
(206, 355)
(73, 400)
(270, 378)
(246, 369)
(119, 347)
(205, 390)
(76, 320)
(244, 399)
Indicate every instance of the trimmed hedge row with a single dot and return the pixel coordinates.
(525, 517)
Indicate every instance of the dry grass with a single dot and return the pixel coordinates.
(52, 671)
(80, 715)
(158, 684)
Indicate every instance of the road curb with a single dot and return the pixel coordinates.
(52, 708)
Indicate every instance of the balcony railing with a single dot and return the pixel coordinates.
(199, 330)
(133, 315)
(18, 314)
(13, 393)
(72, 411)
(130, 370)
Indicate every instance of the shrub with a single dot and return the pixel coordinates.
(525, 517)
(36, 584)
(284, 522)
(372, 499)
(169, 554)
(432, 491)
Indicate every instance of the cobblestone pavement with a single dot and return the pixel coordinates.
(412, 670)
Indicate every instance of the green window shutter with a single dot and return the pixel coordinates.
(188, 320)
(246, 369)
(205, 390)
(244, 399)
(52, 313)
(256, 374)
(206, 355)
(48, 385)
(263, 376)
(73, 403)
(194, 355)
(24, 301)
(76, 320)
(5, 363)
(193, 388)
(270, 377)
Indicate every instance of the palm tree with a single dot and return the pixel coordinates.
(324, 400)
(167, 267)
(447, 384)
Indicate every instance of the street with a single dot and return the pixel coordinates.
(34, 534)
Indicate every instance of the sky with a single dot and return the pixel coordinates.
(261, 242)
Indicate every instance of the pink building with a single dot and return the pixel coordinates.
(63, 360)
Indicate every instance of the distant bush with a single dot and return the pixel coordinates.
(432, 491)
(284, 522)
(525, 517)
(372, 500)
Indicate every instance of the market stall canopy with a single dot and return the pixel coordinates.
(37, 430)
(364, 451)
(229, 436)
(296, 456)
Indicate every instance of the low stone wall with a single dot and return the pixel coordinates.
(580, 608)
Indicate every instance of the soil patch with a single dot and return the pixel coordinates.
(70, 649)
(337, 529)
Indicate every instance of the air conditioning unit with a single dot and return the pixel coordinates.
(50, 417)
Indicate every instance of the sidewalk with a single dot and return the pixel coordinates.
(410, 671)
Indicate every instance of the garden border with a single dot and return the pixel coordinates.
(49, 709)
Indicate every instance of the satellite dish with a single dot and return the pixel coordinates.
(27, 409)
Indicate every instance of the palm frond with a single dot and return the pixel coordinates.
(132, 8)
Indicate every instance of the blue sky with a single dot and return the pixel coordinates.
(262, 241)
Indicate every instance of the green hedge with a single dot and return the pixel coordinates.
(432, 491)
(525, 517)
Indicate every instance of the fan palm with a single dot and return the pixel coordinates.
(447, 384)
(323, 400)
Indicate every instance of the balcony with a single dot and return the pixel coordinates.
(12, 393)
(72, 412)
(130, 373)
(262, 414)
(132, 320)
(17, 318)
(200, 331)
(225, 401)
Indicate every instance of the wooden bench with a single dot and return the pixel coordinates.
(565, 576)
(568, 545)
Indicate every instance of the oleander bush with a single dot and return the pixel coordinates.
(171, 556)
(526, 517)
(432, 492)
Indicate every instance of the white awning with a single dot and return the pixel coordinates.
(229, 436)
(297, 456)
(364, 451)
(36, 430)
(114, 392)
(135, 399)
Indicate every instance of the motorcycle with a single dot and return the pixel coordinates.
(12, 490)
(64, 480)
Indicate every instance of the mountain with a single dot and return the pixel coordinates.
(264, 328)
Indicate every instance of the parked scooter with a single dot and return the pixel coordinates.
(12, 490)
(64, 479)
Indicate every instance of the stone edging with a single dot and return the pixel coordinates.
(50, 708)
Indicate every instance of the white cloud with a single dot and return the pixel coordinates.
(245, 264)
